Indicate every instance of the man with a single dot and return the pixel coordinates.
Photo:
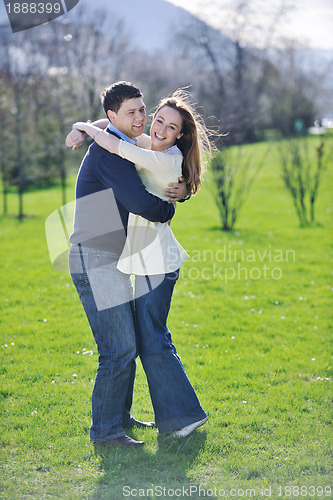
(108, 188)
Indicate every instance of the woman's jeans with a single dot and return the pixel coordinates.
(107, 297)
(174, 400)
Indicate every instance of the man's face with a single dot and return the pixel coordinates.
(130, 118)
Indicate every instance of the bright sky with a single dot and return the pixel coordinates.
(311, 21)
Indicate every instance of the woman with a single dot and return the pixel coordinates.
(152, 253)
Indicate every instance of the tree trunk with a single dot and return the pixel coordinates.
(18, 130)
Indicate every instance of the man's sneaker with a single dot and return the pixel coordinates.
(185, 431)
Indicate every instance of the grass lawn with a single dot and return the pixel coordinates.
(252, 320)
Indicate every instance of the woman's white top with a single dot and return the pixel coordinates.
(151, 247)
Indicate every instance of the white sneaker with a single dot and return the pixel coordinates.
(185, 431)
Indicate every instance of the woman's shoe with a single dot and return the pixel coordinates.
(185, 431)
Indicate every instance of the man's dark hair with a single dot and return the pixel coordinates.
(113, 96)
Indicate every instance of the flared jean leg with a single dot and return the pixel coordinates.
(173, 397)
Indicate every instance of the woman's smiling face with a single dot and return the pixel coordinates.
(165, 129)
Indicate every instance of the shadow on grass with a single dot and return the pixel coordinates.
(237, 232)
(157, 470)
(19, 218)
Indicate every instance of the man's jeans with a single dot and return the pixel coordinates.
(174, 400)
(107, 297)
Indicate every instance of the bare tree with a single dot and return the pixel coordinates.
(7, 153)
(294, 89)
(301, 173)
(95, 54)
(234, 56)
(18, 68)
(233, 175)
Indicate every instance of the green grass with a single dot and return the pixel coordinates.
(256, 348)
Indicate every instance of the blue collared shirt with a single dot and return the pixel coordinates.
(122, 136)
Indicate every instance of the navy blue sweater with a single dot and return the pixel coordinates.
(108, 187)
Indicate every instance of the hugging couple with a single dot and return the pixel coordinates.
(126, 191)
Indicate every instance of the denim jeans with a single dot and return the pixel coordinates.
(174, 400)
(107, 297)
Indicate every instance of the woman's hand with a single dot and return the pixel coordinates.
(80, 132)
(100, 136)
(75, 139)
(82, 126)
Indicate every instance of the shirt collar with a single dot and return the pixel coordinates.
(122, 136)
